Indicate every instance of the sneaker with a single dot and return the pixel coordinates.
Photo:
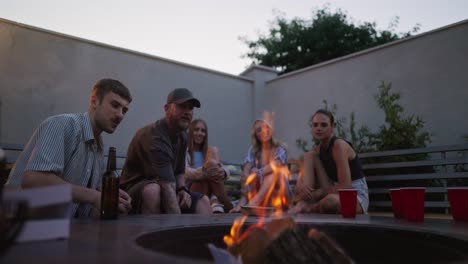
(217, 208)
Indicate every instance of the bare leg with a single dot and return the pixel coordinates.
(314, 182)
(203, 206)
(220, 192)
(169, 198)
(314, 176)
(259, 198)
(308, 176)
(330, 204)
(211, 186)
(212, 153)
(151, 199)
(321, 174)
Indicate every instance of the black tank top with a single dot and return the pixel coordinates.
(326, 156)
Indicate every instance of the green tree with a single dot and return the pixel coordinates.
(297, 43)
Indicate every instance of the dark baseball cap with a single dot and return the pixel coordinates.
(182, 95)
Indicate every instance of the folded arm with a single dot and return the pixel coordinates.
(80, 194)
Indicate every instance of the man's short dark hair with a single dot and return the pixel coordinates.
(103, 86)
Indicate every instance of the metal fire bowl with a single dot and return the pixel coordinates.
(365, 239)
(183, 238)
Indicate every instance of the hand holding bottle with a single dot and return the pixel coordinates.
(125, 202)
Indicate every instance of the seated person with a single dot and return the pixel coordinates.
(264, 149)
(153, 173)
(333, 165)
(68, 149)
(203, 168)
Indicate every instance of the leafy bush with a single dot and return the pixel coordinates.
(397, 132)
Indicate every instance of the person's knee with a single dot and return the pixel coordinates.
(330, 204)
(213, 151)
(211, 163)
(151, 192)
(204, 201)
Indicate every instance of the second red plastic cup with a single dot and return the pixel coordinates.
(458, 198)
(413, 203)
(348, 202)
(397, 202)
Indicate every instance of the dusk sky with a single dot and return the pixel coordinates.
(206, 33)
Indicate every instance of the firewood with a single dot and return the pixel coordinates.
(295, 246)
(283, 241)
(252, 248)
(276, 226)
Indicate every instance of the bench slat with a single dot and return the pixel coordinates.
(420, 163)
(435, 149)
(235, 192)
(420, 176)
(10, 146)
(431, 204)
(428, 190)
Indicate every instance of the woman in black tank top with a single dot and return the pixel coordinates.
(331, 166)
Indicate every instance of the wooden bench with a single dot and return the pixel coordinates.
(435, 168)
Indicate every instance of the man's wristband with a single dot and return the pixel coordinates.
(182, 188)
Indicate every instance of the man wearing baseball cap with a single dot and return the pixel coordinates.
(153, 173)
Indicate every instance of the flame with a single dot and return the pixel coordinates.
(234, 236)
(249, 181)
(276, 196)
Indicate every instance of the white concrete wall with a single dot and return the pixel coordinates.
(43, 74)
(260, 75)
(429, 71)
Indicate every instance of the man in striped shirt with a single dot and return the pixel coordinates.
(68, 149)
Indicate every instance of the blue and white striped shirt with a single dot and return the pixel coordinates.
(64, 144)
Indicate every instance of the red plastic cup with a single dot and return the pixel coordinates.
(458, 198)
(413, 203)
(348, 202)
(397, 202)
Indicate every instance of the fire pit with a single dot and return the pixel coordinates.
(363, 243)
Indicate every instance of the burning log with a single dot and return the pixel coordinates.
(282, 241)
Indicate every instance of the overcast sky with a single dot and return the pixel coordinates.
(206, 32)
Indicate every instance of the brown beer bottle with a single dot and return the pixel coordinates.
(110, 188)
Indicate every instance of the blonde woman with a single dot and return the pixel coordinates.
(264, 149)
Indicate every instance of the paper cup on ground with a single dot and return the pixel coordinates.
(348, 202)
(413, 203)
(458, 198)
(397, 202)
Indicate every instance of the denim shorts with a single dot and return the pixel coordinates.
(362, 192)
